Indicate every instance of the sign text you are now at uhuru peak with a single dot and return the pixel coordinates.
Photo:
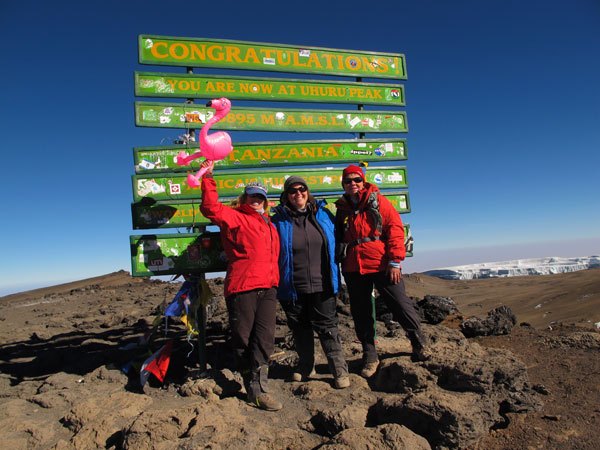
(278, 89)
(189, 52)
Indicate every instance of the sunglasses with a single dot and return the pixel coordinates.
(258, 196)
(350, 180)
(292, 191)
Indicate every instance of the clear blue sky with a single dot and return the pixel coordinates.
(503, 106)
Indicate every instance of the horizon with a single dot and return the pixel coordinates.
(31, 287)
(502, 101)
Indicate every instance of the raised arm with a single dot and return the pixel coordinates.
(211, 207)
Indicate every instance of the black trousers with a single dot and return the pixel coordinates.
(313, 311)
(252, 323)
(360, 288)
(316, 312)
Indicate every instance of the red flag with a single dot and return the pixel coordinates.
(157, 364)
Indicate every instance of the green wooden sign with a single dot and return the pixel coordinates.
(284, 153)
(269, 89)
(150, 214)
(179, 115)
(408, 240)
(171, 254)
(176, 254)
(200, 52)
(173, 186)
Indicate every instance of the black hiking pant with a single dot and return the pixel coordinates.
(252, 323)
(316, 312)
(360, 288)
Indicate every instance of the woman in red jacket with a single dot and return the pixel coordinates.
(251, 244)
(371, 237)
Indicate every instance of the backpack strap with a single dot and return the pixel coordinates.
(373, 208)
(342, 225)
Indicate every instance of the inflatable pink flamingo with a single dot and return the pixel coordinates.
(213, 147)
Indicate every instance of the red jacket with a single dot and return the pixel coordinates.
(356, 222)
(250, 241)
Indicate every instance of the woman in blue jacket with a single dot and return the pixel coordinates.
(309, 278)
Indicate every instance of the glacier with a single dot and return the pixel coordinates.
(517, 267)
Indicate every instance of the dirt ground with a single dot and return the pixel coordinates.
(82, 325)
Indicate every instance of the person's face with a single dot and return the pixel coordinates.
(256, 201)
(353, 184)
(298, 195)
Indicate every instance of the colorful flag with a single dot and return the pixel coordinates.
(157, 364)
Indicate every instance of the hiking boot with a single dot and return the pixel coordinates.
(256, 382)
(419, 346)
(299, 376)
(266, 402)
(420, 354)
(332, 347)
(341, 382)
(369, 369)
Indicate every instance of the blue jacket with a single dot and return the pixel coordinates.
(283, 223)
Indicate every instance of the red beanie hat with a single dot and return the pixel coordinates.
(352, 169)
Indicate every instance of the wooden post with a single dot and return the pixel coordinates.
(360, 108)
(201, 310)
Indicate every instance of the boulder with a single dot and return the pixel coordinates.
(388, 436)
(331, 421)
(456, 396)
(498, 321)
(445, 419)
(434, 309)
(401, 375)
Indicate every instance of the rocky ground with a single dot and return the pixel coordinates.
(62, 387)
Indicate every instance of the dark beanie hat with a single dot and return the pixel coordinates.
(289, 183)
(352, 169)
(293, 180)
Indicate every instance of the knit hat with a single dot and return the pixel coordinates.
(294, 180)
(352, 169)
(283, 198)
(254, 187)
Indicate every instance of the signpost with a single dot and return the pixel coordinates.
(163, 200)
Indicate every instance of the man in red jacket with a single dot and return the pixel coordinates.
(251, 244)
(371, 239)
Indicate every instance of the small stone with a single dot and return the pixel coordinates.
(552, 417)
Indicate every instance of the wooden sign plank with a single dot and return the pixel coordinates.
(186, 213)
(176, 254)
(170, 254)
(281, 153)
(267, 89)
(228, 54)
(173, 186)
(180, 115)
